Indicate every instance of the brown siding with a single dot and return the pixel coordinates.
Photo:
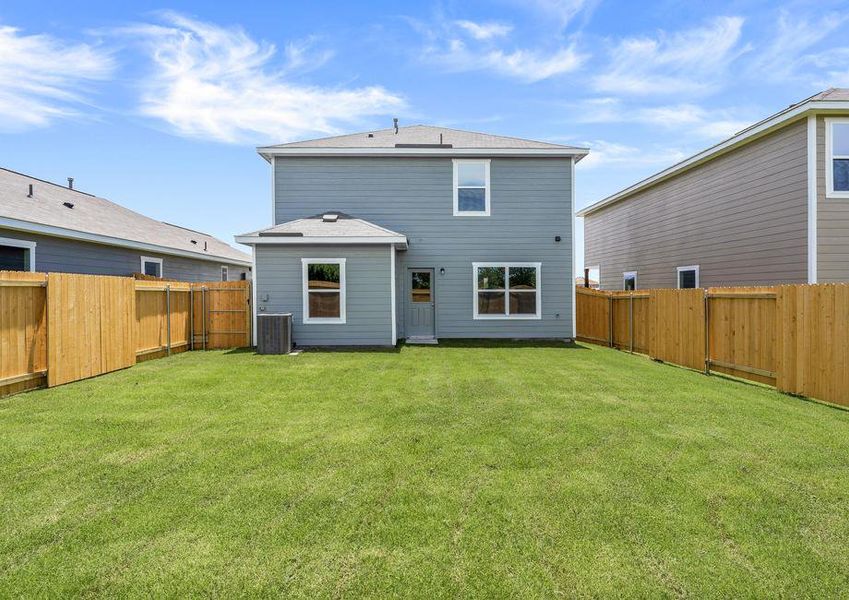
(741, 217)
(832, 223)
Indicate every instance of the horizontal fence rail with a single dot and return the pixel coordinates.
(60, 327)
(792, 337)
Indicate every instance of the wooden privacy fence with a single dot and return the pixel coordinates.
(60, 327)
(793, 337)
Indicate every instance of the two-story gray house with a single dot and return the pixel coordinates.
(418, 233)
(767, 206)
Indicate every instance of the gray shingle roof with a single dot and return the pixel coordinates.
(345, 226)
(424, 134)
(98, 216)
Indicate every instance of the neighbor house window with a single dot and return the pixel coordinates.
(324, 290)
(688, 277)
(629, 280)
(471, 188)
(506, 290)
(17, 255)
(151, 266)
(837, 149)
(224, 273)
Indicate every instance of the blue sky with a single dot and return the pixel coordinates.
(159, 106)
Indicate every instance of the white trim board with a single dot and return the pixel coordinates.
(812, 198)
(574, 258)
(27, 244)
(106, 240)
(268, 152)
(335, 240)
(744, 137)
(392, 284)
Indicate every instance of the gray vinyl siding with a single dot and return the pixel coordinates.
(832, 223)
(530, 205)
(741, 217)
(367, 295)
(54, 254)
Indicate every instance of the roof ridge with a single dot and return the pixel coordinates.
(53, 183)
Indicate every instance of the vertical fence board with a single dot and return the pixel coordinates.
(678, 320)
(89, 317)
(814, 360)
(23, 331)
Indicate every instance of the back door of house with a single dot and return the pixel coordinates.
(420, 303)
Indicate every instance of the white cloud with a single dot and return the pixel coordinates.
(696, 121)
(526, 65)
(562, 12)
(784, 56)
(691, 61)
(485, 31)
(43, 78)
(218, 83)
(459, 46)
(607, 154)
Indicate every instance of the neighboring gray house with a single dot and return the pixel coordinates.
(768, 206)
(419, 233)
(48, 227)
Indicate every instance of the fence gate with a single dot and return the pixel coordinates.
(221, 315)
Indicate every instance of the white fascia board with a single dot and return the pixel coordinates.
(106, 240)
(251, 240)
(749, 135)
(578, 153)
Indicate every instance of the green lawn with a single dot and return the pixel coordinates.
(453, 471)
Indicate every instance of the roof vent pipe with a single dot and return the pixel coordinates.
(70, 183)
(395, 122)
(29, 195)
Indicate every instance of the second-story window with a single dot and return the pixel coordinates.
(837, 168)
(471, 188)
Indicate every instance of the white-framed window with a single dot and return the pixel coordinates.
(507, 290)
(151, 266)
(471, 187)
(225, 272)
(837, 157)
(17, 255)
(688, 277)
(324, 290)
(629, 280)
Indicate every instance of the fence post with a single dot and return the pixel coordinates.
(631, 319)
(168, 318)
(610, 321)
(707, 332)
(203, 315)
(191, 317)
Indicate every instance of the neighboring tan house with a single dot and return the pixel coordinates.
(768, 206)
(419, 233)
(48, 227)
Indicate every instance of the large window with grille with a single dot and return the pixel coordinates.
(506, 290)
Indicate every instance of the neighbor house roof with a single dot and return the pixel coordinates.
(63, 212)
(418, 140)
(327, 228)
(833, 100)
